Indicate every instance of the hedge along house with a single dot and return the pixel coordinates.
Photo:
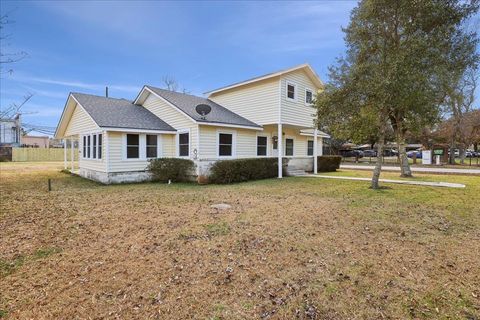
(268, 116)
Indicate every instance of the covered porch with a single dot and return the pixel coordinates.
(299, 144)
(71, 154)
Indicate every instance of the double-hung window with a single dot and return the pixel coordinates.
(261, 146)
(310, 148)
(152, 147)
(289, 147)
(92, 146)
(84, 146)
(88, 146)
(308, 96)
(133, 146)
(184, 144)
(291, 91)
(99, 146)
(225, 144)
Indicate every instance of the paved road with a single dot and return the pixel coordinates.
(414, 169)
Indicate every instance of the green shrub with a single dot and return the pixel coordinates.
(239, 170)
(328, 163)
(174, 169)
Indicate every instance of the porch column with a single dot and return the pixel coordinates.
(65, 154)
(280, 150)
(71, 153)
(315, 150)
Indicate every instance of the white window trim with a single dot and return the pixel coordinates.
(268, 144)
(285, 145)
(313, 97)
(159, 146)
(234, 144)
(313, 149)
(295, 92)
(91, 145)
(178, 143)
(141, 147)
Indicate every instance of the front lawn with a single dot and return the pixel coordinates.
(305, 248)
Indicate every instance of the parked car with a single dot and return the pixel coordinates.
(351, 153)
(418, 154)
(390, 153)
(369, 153)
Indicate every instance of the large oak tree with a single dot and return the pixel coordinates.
(398, 52)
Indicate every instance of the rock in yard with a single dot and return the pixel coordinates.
(221, 206)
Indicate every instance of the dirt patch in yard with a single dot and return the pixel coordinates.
(297, 248)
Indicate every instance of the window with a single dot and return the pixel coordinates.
(261, 146)
(291, 91)
(84, 146)
(225, 144)
(289, 147)
(310, 148)
(183, 144)
(100, 146)
(133, 144)
(94, 146)
(308, 96)
(88, 146)
(151, 146)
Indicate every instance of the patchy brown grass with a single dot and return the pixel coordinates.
(297, 248)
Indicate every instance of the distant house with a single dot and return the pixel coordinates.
(268, 116)
(10, 130)
(35, 141)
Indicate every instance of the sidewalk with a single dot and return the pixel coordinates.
(416, 183)
(414, 169)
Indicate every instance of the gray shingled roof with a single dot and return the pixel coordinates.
(187, 104)
(120, 113)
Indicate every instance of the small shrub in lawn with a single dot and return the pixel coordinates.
(328, 163)
(174, 169)
(239, 170)
(217, 229)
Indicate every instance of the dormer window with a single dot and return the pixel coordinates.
(308, 96)
(291, 91)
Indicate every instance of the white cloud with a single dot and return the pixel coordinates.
(73, 84)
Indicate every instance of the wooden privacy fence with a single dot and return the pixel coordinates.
(42, 154)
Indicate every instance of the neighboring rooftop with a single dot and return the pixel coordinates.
(308, 69)
(119, 113)
(187, 103)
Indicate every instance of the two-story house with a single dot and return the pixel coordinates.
(268, 116)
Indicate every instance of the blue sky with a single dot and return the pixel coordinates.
(84, 46)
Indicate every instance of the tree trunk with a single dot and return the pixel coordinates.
(451, 157)
(378, 165)
(461, 151)
(405, 170)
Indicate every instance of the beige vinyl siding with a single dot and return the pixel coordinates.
(245, 142)
(257, 102)
(169, 145)
(117, 163)
(175, 118)
(93, 164)
(296, 112)
(80, 123)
